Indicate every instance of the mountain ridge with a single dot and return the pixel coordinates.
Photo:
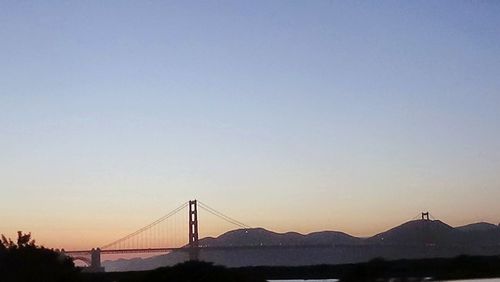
(412, 239)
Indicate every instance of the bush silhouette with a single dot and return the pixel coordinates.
(24, 261)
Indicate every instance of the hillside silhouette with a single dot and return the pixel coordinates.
(479, 226)
(411, 240)
(418, 232)
(263, 237)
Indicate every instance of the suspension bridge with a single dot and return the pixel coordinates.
(160, 237)
(163, 236)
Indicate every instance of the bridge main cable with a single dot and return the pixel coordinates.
(147, 227)
(223, 216)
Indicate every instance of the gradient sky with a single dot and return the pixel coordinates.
(290, 115)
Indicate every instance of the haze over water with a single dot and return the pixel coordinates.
(299, 116)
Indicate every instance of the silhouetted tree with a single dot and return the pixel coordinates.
(25, 261)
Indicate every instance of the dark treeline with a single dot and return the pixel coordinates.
(462, 267)
(193, 271)
(22, 260)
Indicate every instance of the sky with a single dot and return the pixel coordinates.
(288, 115)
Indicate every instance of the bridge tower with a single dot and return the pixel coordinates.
(95, 261)
(193, 231)
(426, 232)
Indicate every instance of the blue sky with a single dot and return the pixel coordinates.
(293, 115)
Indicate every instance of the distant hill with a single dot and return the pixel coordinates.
(263, 237)
(419, 232)
(413, 239)
(480, 226)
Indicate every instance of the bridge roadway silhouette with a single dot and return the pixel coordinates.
(93, 257)
(188, 249)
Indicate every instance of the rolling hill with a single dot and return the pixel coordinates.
(413, 239)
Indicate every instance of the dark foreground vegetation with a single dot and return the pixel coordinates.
(462, 267)
(24, 261)
(184, 272)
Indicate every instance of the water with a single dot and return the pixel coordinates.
(335, 280)
(313, 280)
(478, 280)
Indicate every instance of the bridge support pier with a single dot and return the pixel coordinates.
(194, 251)
(95, 261)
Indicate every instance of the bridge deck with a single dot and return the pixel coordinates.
(201, 248)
